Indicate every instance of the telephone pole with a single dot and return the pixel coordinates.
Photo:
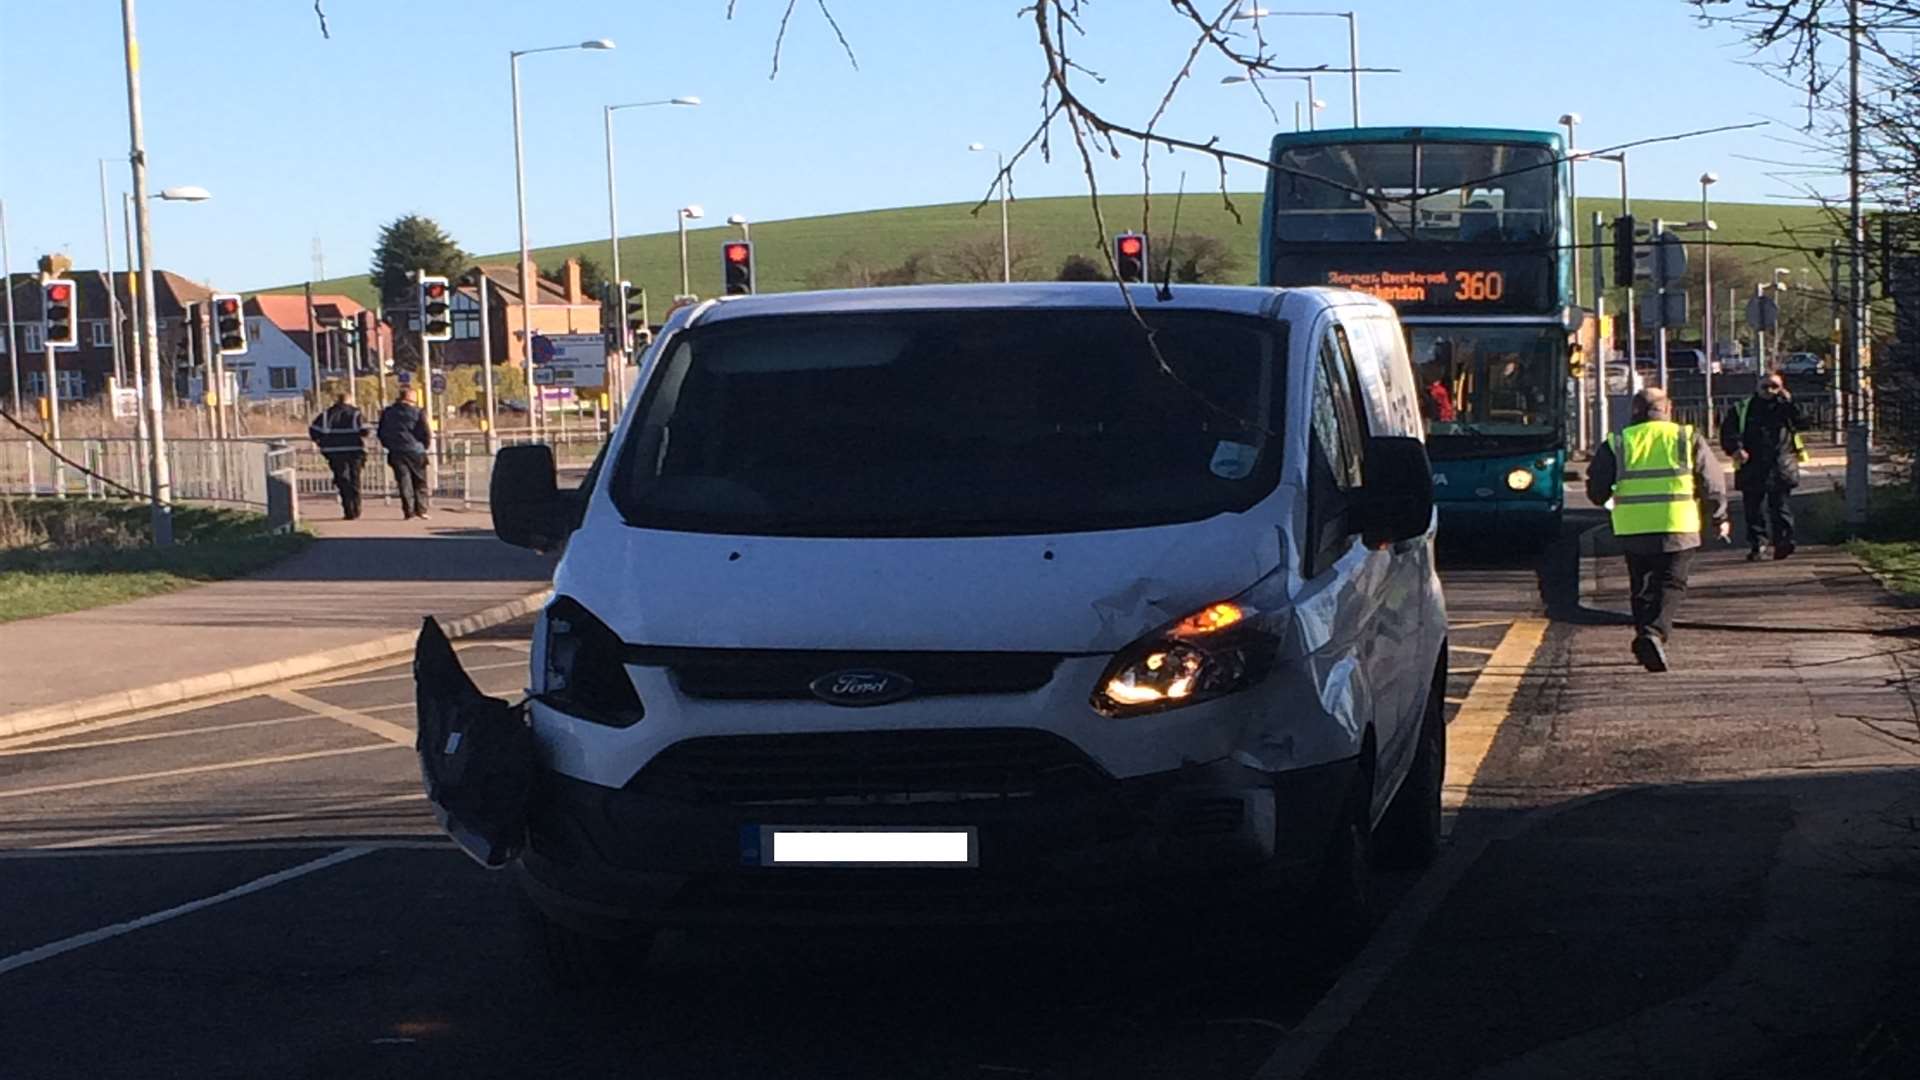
(1856, 328)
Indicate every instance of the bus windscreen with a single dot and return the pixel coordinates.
(1468, 193)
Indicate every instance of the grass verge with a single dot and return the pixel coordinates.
(1888, 545)
(68, 555)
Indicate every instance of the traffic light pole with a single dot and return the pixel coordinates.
(160, 474)
(53, 379)
(1599, 360)
(486, 369)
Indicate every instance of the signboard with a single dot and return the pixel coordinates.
(439, 381)
(1763, 314)
(1430, 282)
(1663, 309)
(571, 360)
(404, 378)
(126, 402)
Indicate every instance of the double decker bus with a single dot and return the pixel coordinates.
(1467, 232)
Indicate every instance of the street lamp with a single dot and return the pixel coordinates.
(184, 193)
(1000, 184)
(613, 211)
(746, 233)
(1570, 121)
(1353, 40)
(1314, 104)
(528, 287)
(1707, 180)
(686, 214)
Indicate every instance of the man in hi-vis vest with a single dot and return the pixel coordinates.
(1656, 473)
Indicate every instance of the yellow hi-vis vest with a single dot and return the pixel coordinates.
(1653, 485)
(1800, 453)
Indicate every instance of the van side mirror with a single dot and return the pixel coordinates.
(1396, 502)
(528, 509)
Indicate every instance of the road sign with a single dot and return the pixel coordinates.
(405, 378)
(578, 360)
(1669, 259)
(542, 349)
(126, 402)
(1763, 314)
(439, 381)
(1667, 309)
(543, 375)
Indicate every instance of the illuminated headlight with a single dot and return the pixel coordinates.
(1213, 652)
(1520, 479)
(584, 673)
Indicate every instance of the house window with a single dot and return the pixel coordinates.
(466, 317)
(283, 378)
(72, 384)
(102, 333)
(253, 330)
(30, 338)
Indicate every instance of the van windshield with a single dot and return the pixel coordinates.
(954, 423)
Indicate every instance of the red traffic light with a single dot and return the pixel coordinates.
(435, 290)
(736, 253)
(1130, 245)
(60, 293)
(228, 307)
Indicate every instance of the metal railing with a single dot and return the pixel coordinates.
(203, 470)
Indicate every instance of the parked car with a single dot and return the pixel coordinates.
(1690, 360)
(1803, 363)
(953, 588)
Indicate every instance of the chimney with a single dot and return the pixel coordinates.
(574, 293)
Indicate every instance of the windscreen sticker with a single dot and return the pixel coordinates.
(1233, 460)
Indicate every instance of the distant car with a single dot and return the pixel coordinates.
(1803, 363)
(1692, 360)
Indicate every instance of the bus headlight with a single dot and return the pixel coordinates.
(1520, 479)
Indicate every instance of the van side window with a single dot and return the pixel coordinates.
(1336, 467)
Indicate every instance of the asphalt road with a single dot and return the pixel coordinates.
(256, 887)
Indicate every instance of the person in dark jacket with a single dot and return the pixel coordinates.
(405, 434)
(1656, 473)
(1762, 435)
(340, 432)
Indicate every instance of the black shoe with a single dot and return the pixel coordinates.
(1651, 654)
(1753, 553)
(1782, 552)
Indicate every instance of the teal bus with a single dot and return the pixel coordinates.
(1468, 233)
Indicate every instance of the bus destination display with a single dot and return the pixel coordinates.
(1430, 283)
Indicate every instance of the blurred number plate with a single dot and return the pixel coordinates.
(771, 845)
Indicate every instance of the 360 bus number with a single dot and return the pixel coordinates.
(1478, 285)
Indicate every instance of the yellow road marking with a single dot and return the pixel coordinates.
(1474, 649)
(134, 778)
(1479, 625)
(1470, 736)
(386, 729)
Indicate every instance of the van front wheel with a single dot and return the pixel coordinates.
(1409, 834)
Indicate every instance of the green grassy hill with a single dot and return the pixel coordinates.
(799, 252)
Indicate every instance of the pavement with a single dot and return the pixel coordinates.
(356, 593)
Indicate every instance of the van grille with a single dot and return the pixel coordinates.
(788, 674)
(868, 767)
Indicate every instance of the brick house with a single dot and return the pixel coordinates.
(279, 360)
(562, 307)
(83, 372)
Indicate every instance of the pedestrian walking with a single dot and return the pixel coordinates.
(1762, 435)
(405, 434)
(1656, 473)
(341, 433)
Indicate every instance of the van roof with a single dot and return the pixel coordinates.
(1235, 299)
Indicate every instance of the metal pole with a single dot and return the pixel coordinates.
(1296, 116)
(215, 368)
(313, 348)
(113, 294)
(1706, 302)
(160, 471)
(1006, 252)
(613, 238)
(486, 367)
(1633, 328)
(1760, 338)
(529, 288)
(133, 321)
(1353, 64)
(1599, 313)
(53, 381)
(13, 338)
(681, 216)
(1573, 200)
(1856, 276)
(426, 364)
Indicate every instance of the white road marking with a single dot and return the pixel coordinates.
(134, 778)
(386, 729)
(223, 847)
(1470, 736)
(115, 839)
(124, 739)
(328, 684)
(1451, 670)
(1480, 624)
(108, 933)
(1474, 649)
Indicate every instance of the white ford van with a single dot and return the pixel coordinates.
(969, 602)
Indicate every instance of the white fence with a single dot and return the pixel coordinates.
(203, 470)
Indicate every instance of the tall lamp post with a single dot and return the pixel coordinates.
(1707, 180)
(613, 206)
(740, 220)
(1314, 104)
(684, 215)
(1000, 184)
(1570, 121)
(13, 340)
(529, 288)
(1353, 40)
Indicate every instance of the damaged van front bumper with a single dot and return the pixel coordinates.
(654, 853)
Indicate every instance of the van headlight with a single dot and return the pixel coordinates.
(1520, 479)
(584, 673)
(1216, 651)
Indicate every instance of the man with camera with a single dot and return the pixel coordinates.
(1762, 435)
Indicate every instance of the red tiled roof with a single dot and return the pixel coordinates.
(288, 311)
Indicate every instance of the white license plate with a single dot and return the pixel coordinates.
(770, 845)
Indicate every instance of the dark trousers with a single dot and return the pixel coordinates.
(1658, 583)
(410, 476)
(346, 479)
(1769, 514)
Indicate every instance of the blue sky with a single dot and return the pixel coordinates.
(406, 108)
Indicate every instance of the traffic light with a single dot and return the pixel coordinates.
(736, 264)
(1130, 256)
(59, 306)
(229, 328)
(1623, 227)
(435, 322)
(633, 307)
